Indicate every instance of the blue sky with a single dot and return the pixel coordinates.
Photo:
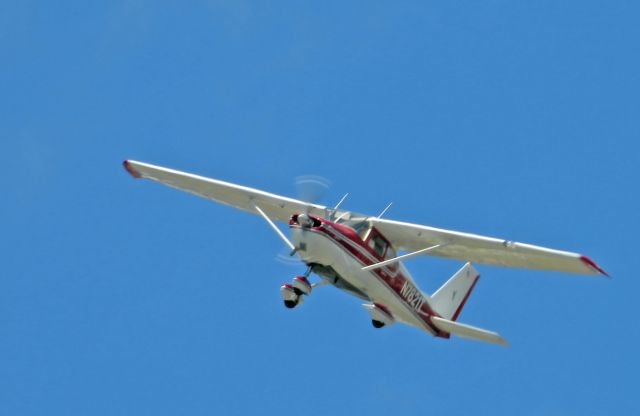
(122, 297)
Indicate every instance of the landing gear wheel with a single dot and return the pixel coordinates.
(377, 324)
(291, 296)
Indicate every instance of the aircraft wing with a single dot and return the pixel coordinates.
(275, 206)
(480, 249)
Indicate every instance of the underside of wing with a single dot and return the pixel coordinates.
(480, 249)
(275, 206)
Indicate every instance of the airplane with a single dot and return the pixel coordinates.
(359, 254)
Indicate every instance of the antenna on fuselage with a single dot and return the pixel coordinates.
(385, 210)
(335, 209)
(341, 200)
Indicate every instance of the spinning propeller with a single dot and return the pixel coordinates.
(309, 188)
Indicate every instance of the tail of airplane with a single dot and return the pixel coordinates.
(449, 300)
(467, 331)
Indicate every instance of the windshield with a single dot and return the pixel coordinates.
(360, 226)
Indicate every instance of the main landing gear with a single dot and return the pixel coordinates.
(380, 315)
(292, 294)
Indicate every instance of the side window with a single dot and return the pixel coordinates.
(391, 253)
(361, 228)
(377, 244)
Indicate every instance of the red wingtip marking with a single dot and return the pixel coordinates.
(131, 170)
(592, 264)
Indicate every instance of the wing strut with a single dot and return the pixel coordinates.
(277, 230)
(397, 259)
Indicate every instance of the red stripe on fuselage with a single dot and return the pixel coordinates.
(395, 281)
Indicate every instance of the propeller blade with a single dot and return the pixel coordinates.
(311, 188)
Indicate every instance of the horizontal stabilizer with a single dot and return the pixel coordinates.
(467, 331)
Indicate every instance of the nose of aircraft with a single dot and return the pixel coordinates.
(305, 221)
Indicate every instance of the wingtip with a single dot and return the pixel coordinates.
(134, 173)
(593, 266)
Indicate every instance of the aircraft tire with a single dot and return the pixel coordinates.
(377, 324)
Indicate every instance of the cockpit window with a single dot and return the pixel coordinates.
(361, 227)
(391, 253)
(378, 244)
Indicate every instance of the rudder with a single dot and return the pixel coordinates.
(451, 297)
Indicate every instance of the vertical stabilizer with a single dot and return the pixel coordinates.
(451, 297)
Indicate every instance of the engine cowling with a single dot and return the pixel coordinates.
(304, 220)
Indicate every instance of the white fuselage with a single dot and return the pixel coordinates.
(347, 258)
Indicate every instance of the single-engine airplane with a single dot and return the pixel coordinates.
(358, 254)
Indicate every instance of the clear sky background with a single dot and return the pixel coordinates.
(122, 297)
